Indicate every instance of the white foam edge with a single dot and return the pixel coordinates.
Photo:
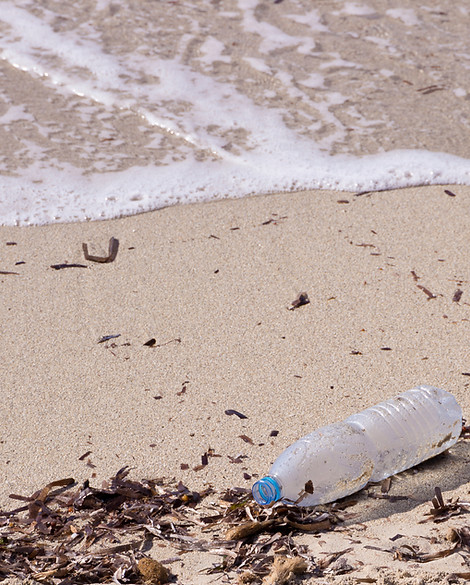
(139, 189)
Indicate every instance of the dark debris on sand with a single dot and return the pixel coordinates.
(65, 534)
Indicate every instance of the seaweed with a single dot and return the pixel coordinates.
(65, 533)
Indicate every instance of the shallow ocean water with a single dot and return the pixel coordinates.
(108, 109)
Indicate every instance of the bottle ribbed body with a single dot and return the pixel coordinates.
(410, 428)
(340, 459)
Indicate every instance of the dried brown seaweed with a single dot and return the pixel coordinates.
(441, 511)
(274, 220)
(246, 529)
(409, 553)
(427, 292)
(153, 342)
(67, 534)
(230, 412)
(65, 265)
(333, 557)
(457, 295)
(461, 536)
(429, 89)
(300, 301)
(385, 485)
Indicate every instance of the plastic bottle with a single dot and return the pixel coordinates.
(341, 458)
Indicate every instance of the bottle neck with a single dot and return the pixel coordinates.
(266, 491)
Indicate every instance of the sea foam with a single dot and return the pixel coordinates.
(117, 110)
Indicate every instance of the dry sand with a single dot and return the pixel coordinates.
(211, 283)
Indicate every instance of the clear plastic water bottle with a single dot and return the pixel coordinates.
(341, 458)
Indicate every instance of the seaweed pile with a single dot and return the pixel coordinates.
(65, 533)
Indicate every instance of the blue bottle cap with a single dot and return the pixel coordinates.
(266, 490)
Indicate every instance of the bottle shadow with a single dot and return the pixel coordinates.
(412, 488)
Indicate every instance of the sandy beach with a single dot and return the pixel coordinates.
(211, 284)
(179, 361)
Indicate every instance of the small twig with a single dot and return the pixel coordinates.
(65, 265)
(427, 292)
